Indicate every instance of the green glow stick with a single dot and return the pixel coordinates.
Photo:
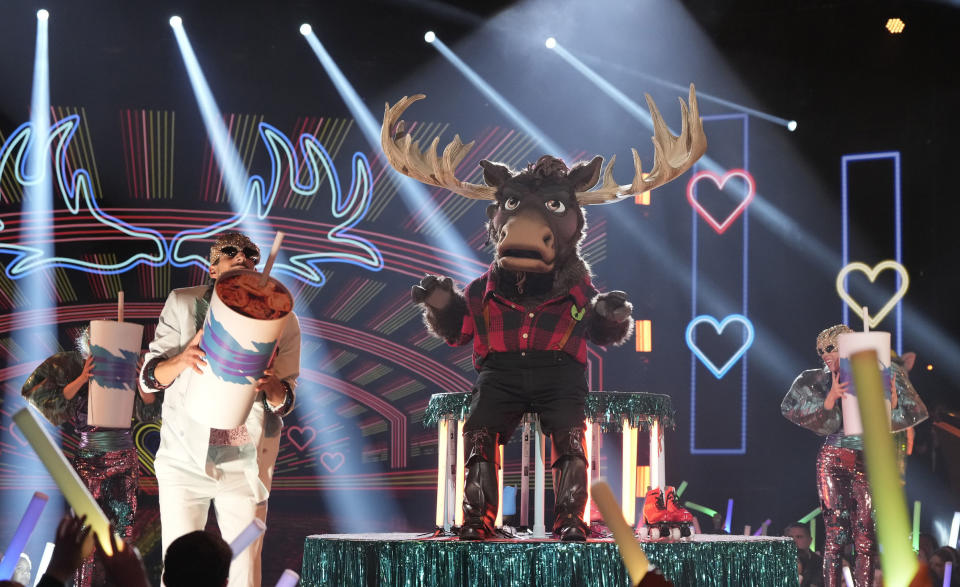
(702, 509)
(916, 526)
(809, 516)
(813, 534)
(682, 488)
(897, 558)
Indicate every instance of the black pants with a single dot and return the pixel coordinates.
(550, 383)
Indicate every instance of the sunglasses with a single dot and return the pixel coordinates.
(827, 349)
(251, 253)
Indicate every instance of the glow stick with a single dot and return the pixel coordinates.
(847, 576)
(288, 579)
(633, 556)
(897, 558)
(729, 519)
(813, 534)
(44, 562)
(916, 526)
(947, 574)
(762, 531)
(70, 484)
(810, 516)
(273, 255)
(700, 508)
(120, 306)
(247, 536)
(682, 488)
(954, 530)
(20, 536)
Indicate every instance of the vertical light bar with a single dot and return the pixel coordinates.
(539, 481)
(588, 437)
(897, 223)
(499, 521)
(450, 476)
(642, 199)
(441, 472)
(626, 472)
(656, 455)
(231, 165)
(644, 480)
(525, 474)
(414, 195)
(643, 333)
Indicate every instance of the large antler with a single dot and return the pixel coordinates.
(672, 156)
(404, 154)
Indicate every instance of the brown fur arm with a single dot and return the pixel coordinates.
(610, 323)
(447, 322)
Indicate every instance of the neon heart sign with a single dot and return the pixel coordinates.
(872, 273)
(719, 372)
(720, 181)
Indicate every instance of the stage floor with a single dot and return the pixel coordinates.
(413, 559)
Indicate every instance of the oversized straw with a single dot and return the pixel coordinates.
(247, 536)
(20, 536)
(70, 484)
(631, 553)
(120, 306)
(273, 255)
(893, 527)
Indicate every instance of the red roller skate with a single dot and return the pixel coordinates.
(663, 517)
(677, 514)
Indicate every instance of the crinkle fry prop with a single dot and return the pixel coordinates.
(66, 478)
(893, 526)
(633, 556)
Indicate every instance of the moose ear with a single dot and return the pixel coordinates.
(494, 174)
(584, 176)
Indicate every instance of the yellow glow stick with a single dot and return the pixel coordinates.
(893, 525)
(633, 556)
(66, 478)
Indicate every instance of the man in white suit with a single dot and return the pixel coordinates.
(196, 464)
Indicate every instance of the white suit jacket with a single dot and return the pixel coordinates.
(182, 438)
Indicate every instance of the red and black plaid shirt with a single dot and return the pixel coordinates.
(495, 324)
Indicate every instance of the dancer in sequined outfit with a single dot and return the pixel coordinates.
(812, 402)
(106, 458)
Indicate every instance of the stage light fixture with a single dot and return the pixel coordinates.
(176, 21)
(430, 37)
(792, 125)
(895, 26)
(305, 29)
(42, 14)
(551, 43)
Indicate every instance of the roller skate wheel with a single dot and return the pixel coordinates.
(655, 533)
(675, 533)
(643, 532)
(686, 531)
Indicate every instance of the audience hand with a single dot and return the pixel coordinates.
(72, 544)
(125, 567)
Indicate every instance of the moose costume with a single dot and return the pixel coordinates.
(531, 314)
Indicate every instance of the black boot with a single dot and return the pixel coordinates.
(571, 485)
(480, 488)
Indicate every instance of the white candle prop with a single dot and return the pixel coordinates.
(240, 333)
(288, 579)
(44, 563)
(120, 306)
(273, 256)
(247, 536)
(633, 556)
(115, 348)
(70, 484)
(28, 522)
(848, 344)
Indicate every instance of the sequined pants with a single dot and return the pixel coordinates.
(847, 514)
(112, 478)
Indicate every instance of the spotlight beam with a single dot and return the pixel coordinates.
(498, 100)
(414, 195)
(234, 173)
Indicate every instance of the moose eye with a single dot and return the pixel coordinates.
(555, 206)
(511, 203)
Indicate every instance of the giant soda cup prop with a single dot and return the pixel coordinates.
(240, 332)
(849, 344)
(115, 348)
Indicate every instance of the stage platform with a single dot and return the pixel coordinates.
(412, 559)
